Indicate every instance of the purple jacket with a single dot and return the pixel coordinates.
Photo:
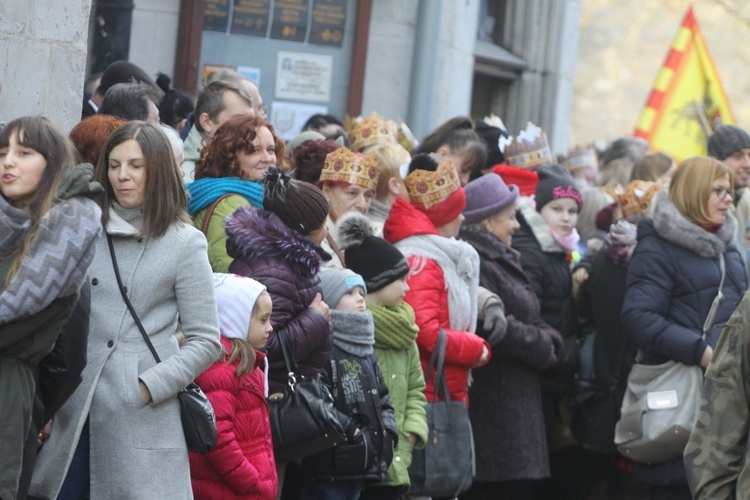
(287, 263)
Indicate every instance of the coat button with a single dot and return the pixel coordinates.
(374, 391)
(110, 343)
(398, 459)
(393, 376)
(95, 281)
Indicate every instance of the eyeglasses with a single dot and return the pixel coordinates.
(720, 192)
(262, 109)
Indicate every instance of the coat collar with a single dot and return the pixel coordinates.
(671, 225)
(120, 221)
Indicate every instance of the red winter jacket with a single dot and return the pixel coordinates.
(242, 464)
(428, 296)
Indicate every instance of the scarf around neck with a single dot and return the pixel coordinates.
(569, 242)
(205, 191)
(460, 265)
(394, 326)
(353, 332)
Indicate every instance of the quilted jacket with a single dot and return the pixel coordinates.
(287, 263)
(242, 464)
(428, 296)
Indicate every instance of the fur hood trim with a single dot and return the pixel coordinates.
(255, 234)
(671, 225)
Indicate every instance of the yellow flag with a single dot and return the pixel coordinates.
(687, 100)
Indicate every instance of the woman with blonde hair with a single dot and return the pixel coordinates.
(390, 182)
(47, 232)
(673, 278)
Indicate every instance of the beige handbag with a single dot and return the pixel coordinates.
(661, 403)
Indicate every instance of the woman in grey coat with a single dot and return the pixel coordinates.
(120, 433)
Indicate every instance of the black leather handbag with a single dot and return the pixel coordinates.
(196, 412)
(303, 418)
(445, 466)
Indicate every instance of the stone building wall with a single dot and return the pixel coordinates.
(43, 58)
(623, 45)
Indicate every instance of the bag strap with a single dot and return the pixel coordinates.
(210, 212)
(291, 364)
(437, 361)
(124, 294)
(335, 249)
(717, 300)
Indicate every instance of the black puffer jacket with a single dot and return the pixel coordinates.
(546, 265)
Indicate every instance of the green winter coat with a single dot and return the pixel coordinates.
(216, 235)
(717, 455)
(403, 375)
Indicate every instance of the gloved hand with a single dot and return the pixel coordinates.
(492, 313)
(77, 181)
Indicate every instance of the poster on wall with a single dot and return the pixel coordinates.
(216, 15)
(328, 20)
(249, 72)
(250, 17)
(303, 77)
(289, 117)
(290, 20)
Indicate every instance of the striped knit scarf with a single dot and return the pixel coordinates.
(394, 326)
(205, 191)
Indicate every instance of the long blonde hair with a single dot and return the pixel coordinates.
(692, 184)
(43, 136)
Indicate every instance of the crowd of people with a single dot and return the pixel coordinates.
(354, 248)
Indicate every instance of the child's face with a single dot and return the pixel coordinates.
(260, 322)
(353, 300)
(561, 215)
(391, 295)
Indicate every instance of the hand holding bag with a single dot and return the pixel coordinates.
(445, 467)
(303, 418)
(662, 403)
(196, 412)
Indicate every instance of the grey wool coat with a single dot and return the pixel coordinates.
(137, 451)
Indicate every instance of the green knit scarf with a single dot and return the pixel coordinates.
(394, 326)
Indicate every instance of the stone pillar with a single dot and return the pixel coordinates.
(43, 59)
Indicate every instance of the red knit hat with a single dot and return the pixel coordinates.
(526, 180)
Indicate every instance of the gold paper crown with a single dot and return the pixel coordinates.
(369, 131)
(428, 188)
(582, 158)
(343, 165)
(528, 150)
(637, 197)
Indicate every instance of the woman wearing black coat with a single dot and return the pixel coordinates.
(506, 404)
(673, 278)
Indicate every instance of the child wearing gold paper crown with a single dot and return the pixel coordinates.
(384, 270)
(241, 465)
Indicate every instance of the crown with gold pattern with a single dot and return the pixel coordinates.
(584, 157)
(428, 188)
(343, 165)
(371, 130)
(528, 150)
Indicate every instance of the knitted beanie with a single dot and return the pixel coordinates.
(377, 261)
(300, 205)
(487, 196)
(122, 72)
(555, 183)
(337, 282)
(725, 140)
(235, 299)
(434, 188)
(526, 180)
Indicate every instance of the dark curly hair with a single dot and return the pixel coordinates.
(309, 157)
(219, 157)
